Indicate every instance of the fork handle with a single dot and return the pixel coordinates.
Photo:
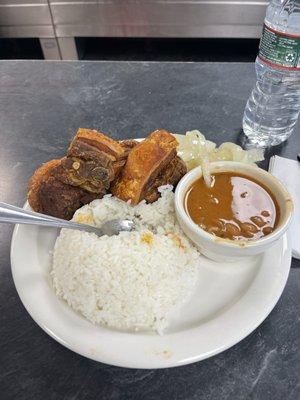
(16, 215)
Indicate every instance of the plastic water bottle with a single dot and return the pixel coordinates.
(274, 104)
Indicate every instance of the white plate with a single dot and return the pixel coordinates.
(230, 301)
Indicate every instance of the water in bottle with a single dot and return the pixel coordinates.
(274, 104)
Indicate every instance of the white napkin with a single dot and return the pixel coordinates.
(288, 172)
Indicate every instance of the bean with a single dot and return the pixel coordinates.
(247, 227)
(218, 223)
(267, 230)
(247, 235)
(232, 230)
(258, 221)
(265, 213)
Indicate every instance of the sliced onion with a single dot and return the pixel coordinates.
(195, 151)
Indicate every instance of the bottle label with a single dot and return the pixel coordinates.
(279, 49)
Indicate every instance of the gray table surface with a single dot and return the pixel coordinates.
(41, 106)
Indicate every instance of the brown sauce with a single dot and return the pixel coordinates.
(235, 207)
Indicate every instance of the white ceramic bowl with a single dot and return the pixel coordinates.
(220, 249)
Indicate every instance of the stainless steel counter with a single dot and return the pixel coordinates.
(25, 18)
(63, 20)
(154, 18)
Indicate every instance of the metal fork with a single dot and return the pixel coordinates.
(16, 215)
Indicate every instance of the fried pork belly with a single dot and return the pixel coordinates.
(98, 141)
(128, 145)
(150, 164)
(61, 200)
(40, 175)
(60, 187)
(171, 175)
(93, 161)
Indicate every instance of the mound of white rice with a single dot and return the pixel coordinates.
(136, 280)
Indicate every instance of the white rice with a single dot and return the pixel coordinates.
(136, 280)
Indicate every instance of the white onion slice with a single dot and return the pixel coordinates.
(195, 151)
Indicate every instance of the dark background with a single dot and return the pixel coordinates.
(239, 50)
